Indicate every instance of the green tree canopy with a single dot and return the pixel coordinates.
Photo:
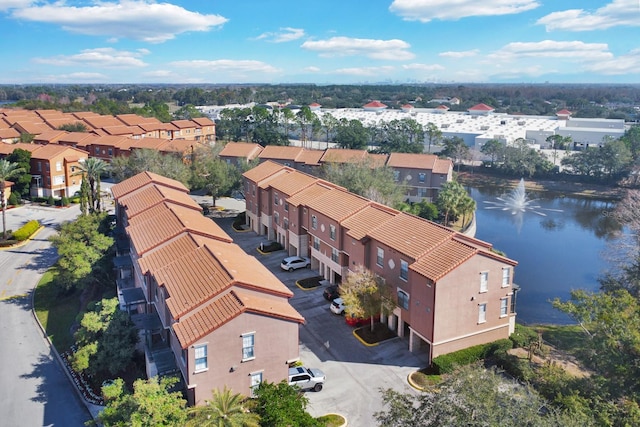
(141, 160)
(366, 295)
(150, 405)
(351, 134)
(7, 171)
(22, 181)
(225, 409)
(281, 405)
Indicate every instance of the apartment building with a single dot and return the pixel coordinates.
(54, 168)
(422, 174)
(207, 311)
(452, 291)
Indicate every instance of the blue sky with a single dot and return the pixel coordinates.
(321, 41)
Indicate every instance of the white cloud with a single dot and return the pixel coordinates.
(74, 78)
(423, 67)
(394, 50)
(459, 54)
(449, 10)
(574, 50)
(14, 4)
(286, 34)
(158, 73)
(617, 13)
(365, 71)
(100, 57)
(624, 64)
(143, 20)
(227, 65)
(311, 69)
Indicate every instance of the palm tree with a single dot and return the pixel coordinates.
(7, 170)
(226, 409)
(467, 206)
(91, 170)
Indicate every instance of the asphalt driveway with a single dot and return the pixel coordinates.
(355, 372)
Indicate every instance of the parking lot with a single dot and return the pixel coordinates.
(355, 372)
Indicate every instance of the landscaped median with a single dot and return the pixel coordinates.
(371, 338)
(310, 283)
(22, 235)
(269, 247)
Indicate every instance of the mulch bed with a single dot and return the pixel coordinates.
(310, 282)
(381, 332)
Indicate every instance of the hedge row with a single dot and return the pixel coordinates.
(26, 231)
(447, 363)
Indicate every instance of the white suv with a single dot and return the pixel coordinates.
(306, 378)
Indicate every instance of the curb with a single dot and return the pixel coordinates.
(305, 289)
(24, 242)
(363, 341)
(412, 384)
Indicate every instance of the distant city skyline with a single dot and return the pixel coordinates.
(322, 42)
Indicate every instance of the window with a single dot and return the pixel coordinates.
(314, 222)
(504, 304)
(58, 166)
(276, 199)
(286, 207)
(380, 257)
(332, 232)
(276, 217)
(58, 180)
(200, 354)
(110, 151)
(403, 299)
(422, 177)
(316, 243)
(248, 341)
(97, 150)
(404, 270)
(482, 313)
(335, 255)
(422, 192)
(285, 223)
(256, 379)
(39, 166)
(396, 176)
(506, 275)
(484, 281)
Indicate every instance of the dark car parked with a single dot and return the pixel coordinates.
(331, 292)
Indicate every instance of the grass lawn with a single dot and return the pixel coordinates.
(332, 420)
(56, 314)
(310, 282)
(381, 332)
(425, 380)
(569, 338)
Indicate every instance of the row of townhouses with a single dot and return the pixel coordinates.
(46, 124)
(206, 309)
(422, 174)
(452, 291)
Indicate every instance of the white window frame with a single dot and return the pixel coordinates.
(316, 243)
(255, 379)
(58, 166)
(332, 232)
(276, 199)
(200, 358)
(396, 176)
(422, 177)
(248, 347)
(506, 276)
(484, 281)
(504, 307)
(403, 297)
(404, 268)
(276, 218)
(482, 313)
(380, 258)
(335, 255)
(314, 222)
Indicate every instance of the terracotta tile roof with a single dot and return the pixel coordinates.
(50, 151)
(34, 128)
(110, 140)
(564, 112)
(142, 179)
(378, 160)
(57, 121)
(164, 255)
(156, 226)
(123, 130)
(443, 259)
(410, 235)
(82, 114)
(184, 124)
(311, 157)
(8, 148)
(481, 107)
(50, 136)
(9, 133)
(203, 121)
(226, 308)
(241, 149)
(148, 127)
(337, 205)
(442, 107)
(179, 146)
(412, 161)
(245, 270)
(134, 119)
(375, 104)
(207, 320)
(372, 216)
(99, 121)
(264, 170)
(79, 138)
(443, 166)
(280, 152)
(151, 195)
(313, 191)
(290, 183)
(339, 155)
(150, 143)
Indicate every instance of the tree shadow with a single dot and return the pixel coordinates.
(40, 260)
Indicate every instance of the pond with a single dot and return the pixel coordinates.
(560, 243)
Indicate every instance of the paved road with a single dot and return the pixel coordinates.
(355, 372)
(34, 391)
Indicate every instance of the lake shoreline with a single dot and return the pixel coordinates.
(558, 188)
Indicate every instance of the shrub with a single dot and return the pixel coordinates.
(523, 336)
(447, 363)
(64, 201)
(499, 347)
(51, 201)
(12, 200)
(26, 231)
(74, 199)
